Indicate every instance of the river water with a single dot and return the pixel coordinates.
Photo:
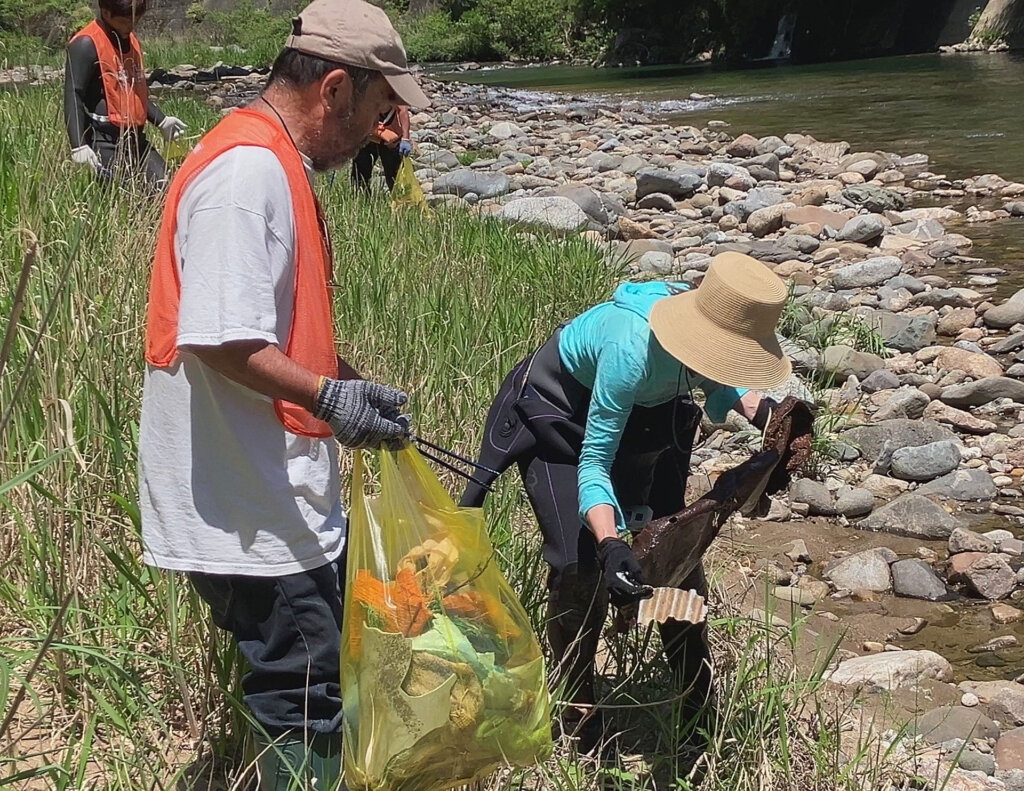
(964, 111)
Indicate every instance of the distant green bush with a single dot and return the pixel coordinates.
(435, 36)
(53, 21)
(489, 29)
(196, 13)
(530, 29)
(248, 27)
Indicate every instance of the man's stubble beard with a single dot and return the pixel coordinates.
(326, 160)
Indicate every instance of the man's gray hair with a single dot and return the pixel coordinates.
(299, 69)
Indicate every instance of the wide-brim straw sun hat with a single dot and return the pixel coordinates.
(724, 330)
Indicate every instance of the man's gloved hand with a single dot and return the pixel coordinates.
(622, 574)
(171, 128)
(764, 413)
(405, 148)
(362, 414)
(84, 155)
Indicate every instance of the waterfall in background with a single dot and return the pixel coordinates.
(782, 48)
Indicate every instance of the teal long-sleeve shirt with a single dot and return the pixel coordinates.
(611, 350)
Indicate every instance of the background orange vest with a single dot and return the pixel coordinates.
(311, 337)
(390, 134)
(124, 77)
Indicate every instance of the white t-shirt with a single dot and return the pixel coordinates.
(223, 487)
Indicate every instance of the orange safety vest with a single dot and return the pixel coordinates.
(388, 132)
(124, 77)
(311, 337)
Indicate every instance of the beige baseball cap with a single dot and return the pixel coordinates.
(355, 33)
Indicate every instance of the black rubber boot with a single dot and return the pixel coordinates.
(291, 763)
(689, 659)
(576, 613)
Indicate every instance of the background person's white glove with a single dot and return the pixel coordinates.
(171, 128)
(84, 155)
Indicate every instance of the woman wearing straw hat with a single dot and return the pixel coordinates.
(600, 422)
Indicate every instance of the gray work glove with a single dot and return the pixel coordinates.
(362, 414)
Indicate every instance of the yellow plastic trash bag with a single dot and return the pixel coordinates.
(407, 188)
(442, 676)
(177, 149)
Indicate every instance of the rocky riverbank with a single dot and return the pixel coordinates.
(910, 525)
(920, 376)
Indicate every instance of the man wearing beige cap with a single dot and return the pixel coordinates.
(601, 423)
(245, 401)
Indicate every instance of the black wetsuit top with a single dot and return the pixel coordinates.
(83, 93)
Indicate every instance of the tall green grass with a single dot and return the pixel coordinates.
(111, 674)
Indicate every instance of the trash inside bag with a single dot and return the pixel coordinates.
(442, 676)
(407, 187)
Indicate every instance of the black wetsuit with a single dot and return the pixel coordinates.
(538, 425)
(390, 159)
(121, 151)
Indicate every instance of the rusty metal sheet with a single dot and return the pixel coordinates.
(672, 604)
(669, 549)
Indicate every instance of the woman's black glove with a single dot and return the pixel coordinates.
(765, 409)
(622, 574)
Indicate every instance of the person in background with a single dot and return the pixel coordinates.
(106, 98)
(600, 421)
(390, 144)
(245, 401)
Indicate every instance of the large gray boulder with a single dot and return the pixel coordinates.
(926, 462)
(843, 362)
(557, 213)
(871, 198)
(764, 167)
(968, 485)
(991, 577)
(901, 433)
(442, 159)
(602, 162)
(765, 221)
(587, 199)
(903, 333)
(1008, 344)
(915, 579)
(907, 403)
(1005, 699)
(503, 130)
(867, 570)
(658, 201)
(814, 495)
(721, 172)
(947, 723)
(865, 274)
(982, 391)
(656, 262)
(911, 515)
(1006, 315)
(964, 540)
(863, 228)
(925, 230)
(959, 419)
(891, 670)
(757, 199)
(880, 380)
(854, 502)
(464, 181)
(678, 184)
